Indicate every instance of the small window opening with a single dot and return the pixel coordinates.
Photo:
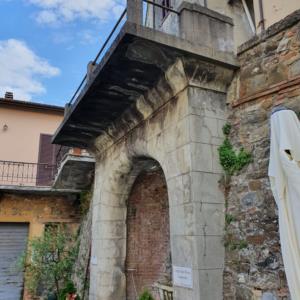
(165, 11)
(251, 9)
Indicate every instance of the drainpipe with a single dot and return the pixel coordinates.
(261, 15)
(205, 3)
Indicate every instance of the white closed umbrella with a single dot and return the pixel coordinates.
(284, 173)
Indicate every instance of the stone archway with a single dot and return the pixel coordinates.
(148, 255)
(183, 135)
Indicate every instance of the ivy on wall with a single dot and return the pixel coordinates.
(230, 160)
(85, 199)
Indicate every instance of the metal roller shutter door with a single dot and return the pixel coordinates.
(13, 242)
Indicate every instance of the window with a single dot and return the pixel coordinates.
(46, 160)
(251, 9)
(166, 3)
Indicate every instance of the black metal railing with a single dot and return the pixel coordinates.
(100, 53)
(61, 154)
(26, 174)
(113, 32)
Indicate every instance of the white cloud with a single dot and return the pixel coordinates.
(46, 17)
(22, 70)
(55, 12)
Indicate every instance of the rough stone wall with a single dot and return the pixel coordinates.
(269, 74)
(148, 259)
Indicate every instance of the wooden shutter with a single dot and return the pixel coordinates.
(46, 160)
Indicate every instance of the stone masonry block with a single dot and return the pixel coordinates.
(202, 157)
(177, 136)
(209, 219)
(179, 189)
(207, 103)
(110, 229)
(198, 252)
(111, 213)
(205, 188)
(209, 280)
(182, 219)
(204, 129)
(179, 161)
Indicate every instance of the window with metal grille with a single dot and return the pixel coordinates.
(165, 11)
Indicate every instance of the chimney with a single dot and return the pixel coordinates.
(9, 96)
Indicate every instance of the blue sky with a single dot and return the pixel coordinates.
(45, 45)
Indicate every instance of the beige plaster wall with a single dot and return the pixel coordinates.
(242, 31)
(20, 142)
(274, 11)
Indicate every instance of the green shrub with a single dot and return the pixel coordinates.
(146, 295)
(68, 289)
(49, 261)
(229, 219)
(230, 160)
(226, 129)
(85, 200)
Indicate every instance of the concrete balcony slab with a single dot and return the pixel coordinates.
(75, 173)
(137, 59)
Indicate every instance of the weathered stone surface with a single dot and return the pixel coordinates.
(270, 62)
(169, 135)
(81, 274)
(137, 62)
(75, 172)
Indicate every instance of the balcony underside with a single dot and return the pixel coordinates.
(138, 57)
(75, 173)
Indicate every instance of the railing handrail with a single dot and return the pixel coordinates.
(25, 163)
(94, 62)
(100, 52)
(18, 173)
(162, 6)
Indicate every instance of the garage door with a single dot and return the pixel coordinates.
(13, 241)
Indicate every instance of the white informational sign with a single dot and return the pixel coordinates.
(94, 260)
(183, 277)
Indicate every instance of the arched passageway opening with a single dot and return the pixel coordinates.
(148, 259)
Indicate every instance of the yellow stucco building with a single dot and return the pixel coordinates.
(28, 202)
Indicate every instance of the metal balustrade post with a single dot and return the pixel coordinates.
(135, 11)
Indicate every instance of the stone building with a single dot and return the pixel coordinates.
(152, 112)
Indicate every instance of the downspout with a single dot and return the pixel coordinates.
(205, 3)
(261, 15)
